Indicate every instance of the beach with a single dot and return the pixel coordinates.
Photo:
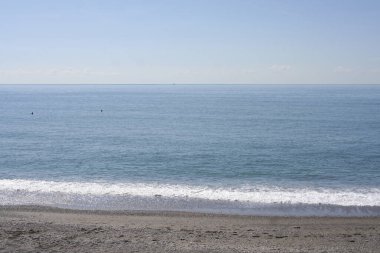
(43, 229)
(184, 168)
(189, 126)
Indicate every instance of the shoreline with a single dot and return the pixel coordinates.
(184, 213)
(39, 228)
(262, 200)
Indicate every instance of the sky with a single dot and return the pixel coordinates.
(190, 41)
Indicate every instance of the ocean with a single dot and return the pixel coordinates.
(293, 150)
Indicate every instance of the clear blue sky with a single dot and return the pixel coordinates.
(190, 41)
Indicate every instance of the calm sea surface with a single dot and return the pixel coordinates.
(287, 150)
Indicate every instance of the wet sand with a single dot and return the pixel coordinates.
(39, 229)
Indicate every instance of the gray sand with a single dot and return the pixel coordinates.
(37, 229)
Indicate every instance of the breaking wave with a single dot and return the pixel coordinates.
(263, 200)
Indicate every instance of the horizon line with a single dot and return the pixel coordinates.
(189, 84)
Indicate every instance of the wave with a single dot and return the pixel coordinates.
(242, 199)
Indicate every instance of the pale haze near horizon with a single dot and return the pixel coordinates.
(193, 42)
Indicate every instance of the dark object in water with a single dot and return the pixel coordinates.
(32, 113)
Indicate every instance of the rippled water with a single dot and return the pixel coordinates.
(219, 148)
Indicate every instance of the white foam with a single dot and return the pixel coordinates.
(259, 194)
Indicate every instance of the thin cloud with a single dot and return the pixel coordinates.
(280, 68)
(69, 71)
(374, 70)
(341, 69)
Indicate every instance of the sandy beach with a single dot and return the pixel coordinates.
(39, 229)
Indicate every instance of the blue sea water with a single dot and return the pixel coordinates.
(246, 149)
